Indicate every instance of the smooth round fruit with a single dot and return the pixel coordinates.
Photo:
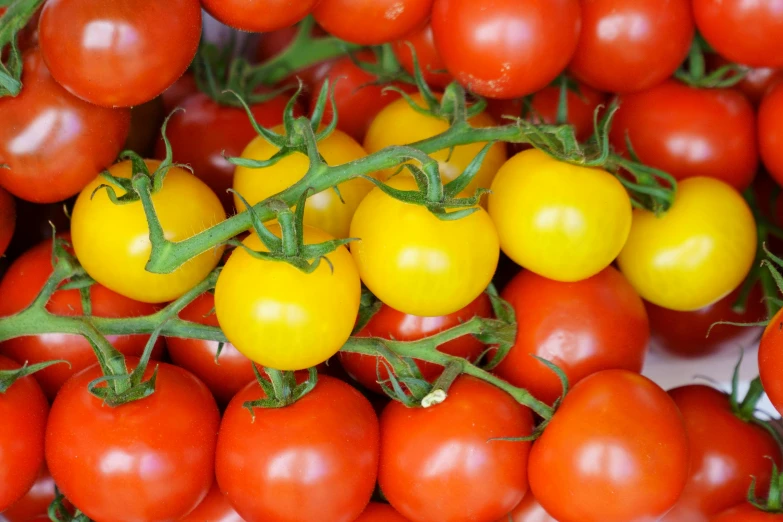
(371, 23)
(7, 219)
(417, 263)
(771, 360)
(112, 241)
(214, 508)
(696, 253)
(770, 132)
(529, 510)
(559, 220)
(430, 63)
(377, 512)
(259, 16)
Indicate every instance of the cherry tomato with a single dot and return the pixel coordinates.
(695, 254)
(631, 45)
(747, 513)
(180, 90)
(561, 221)
(214, 508)
(744, 32)
(120, 53)
(771, 362)
(35, 502)
(388, 323)
(316, 459)
(506, 48)
(259, 16)
(439, 463)
(529, 510)
(583, 327)
(417, 263)
(151, 459)
(224, 375)
(755, 82)
(7, 220)
(617, 445)
(23, 408)
(377, 512)
(430, 64)
(53, 142)
(112, 241)
(690, 132)
(327, 210)
(372, 23)
(281, 317)
(725, 453)
(770, 132)
(19, 288)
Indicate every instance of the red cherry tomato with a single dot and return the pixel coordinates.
(19, 287)
(631, 45)
(151, 459)
(273, 43)
(224, 376)
(372, 23)
(23, 408)
(120, 53)
(755, 82)
(747, 513)
(584, 327)
(771, 360)
(431, 65)
(529, 510)
(314, 460)
(7, 220)
(35, 502)
(377, 512)
(725, 453)
(690, 132)
(439, 463)
(505, 48)
(53, 142)
(214, 508)
(388, 323)
(618, 446)
(259, 16)
(770, 132)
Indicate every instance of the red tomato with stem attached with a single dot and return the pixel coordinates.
(35, 502)
(377, 512)
(430, 63)
(690, 132)
(529, 510)
(770, 132)
(506, 48)
(770, 360)
(151, 459)
(755, 82)
(53, 142)
(7, 220)
(214, 508)
(389, 323)
(259, 16)
(584, 327)
(372, 23)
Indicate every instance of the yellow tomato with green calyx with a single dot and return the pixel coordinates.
(324, 210)
(112, 241)
(695, 254)
(399, 124)
(281, 317)
(417, 263)
(561, 221)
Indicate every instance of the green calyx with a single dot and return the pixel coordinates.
(695, 72)
(281, 389)
(773, 503)
(17, 15)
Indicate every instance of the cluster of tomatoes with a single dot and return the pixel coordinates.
(266, 400)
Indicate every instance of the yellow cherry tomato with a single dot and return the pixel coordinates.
(417, 263)
(112, 241)
(695, 254)
(282, 317)
(561, 221)
(323, 210)
(399, 124)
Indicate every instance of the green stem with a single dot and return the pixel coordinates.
(15, 18)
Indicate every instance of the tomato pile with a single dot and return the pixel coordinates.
(388, 260)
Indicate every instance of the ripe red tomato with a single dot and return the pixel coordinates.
(225, 376)
(584, 327)
(23, 408)
(430, 63)
(389, 323)
(372, 23)
(35, 502)
(631, 45)
(214, 508)
(770, 132)
(529, 510)
(7, 219)
(439, 463)
(506, 48)
(120, 53)
(618, 446)
(151, 459)
(19, 287)
(377, 512)
(259, 16)
(771, 360)
(316, 459)
(744, 32)
(690, 132)
(53, 142)
(725, 452)
(747, 513)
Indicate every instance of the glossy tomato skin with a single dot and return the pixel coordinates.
(690, 132)
(746, 513)
(583, 327)
(388, 323)
(115, 256)
(371, 23)
(7, 219)
(725, 452)
(53, 142)
(529, 510)
(430, 63)
(695, 254)
(35, 502)
(224, 375)
(771, 360)
(119, 53)
(24, 410)
(377, 512)
(438, 463)
(631, 45)
(484, 48)
(259, 16)
(214, 508)
(770, 132)
(314, 460)
(618, 446)
(111, 477)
